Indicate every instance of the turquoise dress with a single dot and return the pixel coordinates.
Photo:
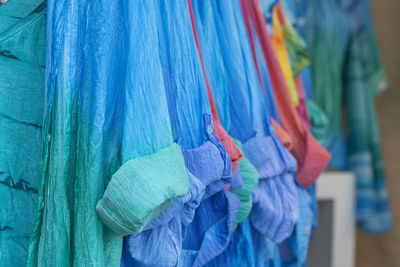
(109, 162)
(341, 32)
(22, 69)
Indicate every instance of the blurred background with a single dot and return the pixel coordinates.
(384, 249)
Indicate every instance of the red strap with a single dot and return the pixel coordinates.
(196, 37)
(220, 132)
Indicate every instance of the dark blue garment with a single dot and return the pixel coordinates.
(240, 251)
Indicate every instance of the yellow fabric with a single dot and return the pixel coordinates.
(282, 53)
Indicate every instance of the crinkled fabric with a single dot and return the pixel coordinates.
(278, 20)
(240, 251)
(283, 136)
(210, 23)
(168, 231)
(265, 250)
(363, 34)
(22, 60)
(267, 7)
(356, 58)
(204, 154)
(237, 180)
(293, 251)
(268, 205)
(160, 244)
(302, 108)
(220, 132)
(268, 92)
(327, 21)
(364, 79)
(296, 47)
(307, 82)
(98, 91)
(312, 158)
(208, 165)
(264, 151)
(318, 120)
(210, 232)
(136, 195)
(250, 180)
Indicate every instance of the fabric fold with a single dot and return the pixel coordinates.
(141, 189)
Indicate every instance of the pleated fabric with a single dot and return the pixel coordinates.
(98, 134)
(351, 82)
(365, 79)
(312, 158)
(184, 235)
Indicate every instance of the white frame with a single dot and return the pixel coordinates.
(339, 187)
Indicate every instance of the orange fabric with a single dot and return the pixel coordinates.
(283, 136)
(223, 136)
(311, 157)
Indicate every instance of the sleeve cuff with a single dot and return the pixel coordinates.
(141, 189)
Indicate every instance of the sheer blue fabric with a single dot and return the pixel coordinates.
(192, 234)
(277, 170)
(98, 103)
(275, 199)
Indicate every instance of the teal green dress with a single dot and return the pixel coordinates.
(347, 75)
(22, 69)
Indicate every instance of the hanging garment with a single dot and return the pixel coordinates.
(311, 157)
(171, 240)
(240, 251)
(207, 25)
(22, 61)
(263, 150)
(293, 251)
(364, 79)
(298, 52)
(100, 147)
(351, 81)
(328, 30)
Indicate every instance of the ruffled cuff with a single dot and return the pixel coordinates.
(264, 155)
(141, 189)
(207, 164)
(275, 207)
(163, 242)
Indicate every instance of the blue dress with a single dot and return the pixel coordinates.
(197, 231)
(101, 148)
(249, 119)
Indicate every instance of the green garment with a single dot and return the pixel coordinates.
(347, 75)
(22, 61)
(364, 79)
(107, 138)
(297, 50)
(250, 178)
